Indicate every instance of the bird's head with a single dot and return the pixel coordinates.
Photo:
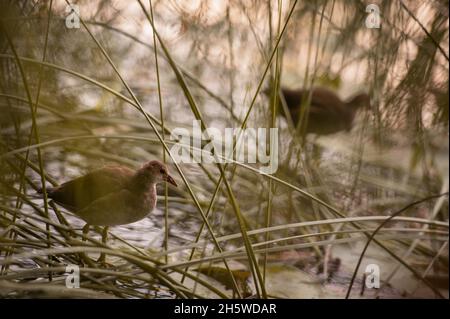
(156, 172)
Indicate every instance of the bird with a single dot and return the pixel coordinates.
(112, 195)
(327, 114)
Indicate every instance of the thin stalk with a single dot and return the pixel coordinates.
(166, 189)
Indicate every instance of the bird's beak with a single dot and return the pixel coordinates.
(170, 180)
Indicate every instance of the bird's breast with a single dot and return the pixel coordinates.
(148, 202)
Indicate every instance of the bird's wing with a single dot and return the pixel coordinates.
(80, 192)
(117, 208)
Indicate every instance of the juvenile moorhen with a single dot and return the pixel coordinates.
(328, 114)
(112, 195)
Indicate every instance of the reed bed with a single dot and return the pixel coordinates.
(113, 91)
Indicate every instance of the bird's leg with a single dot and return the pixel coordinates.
(85, 232)
(102, 258)
(83, 256)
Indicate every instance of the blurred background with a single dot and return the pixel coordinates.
(86, 83)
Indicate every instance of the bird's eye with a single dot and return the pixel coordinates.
(162, 171)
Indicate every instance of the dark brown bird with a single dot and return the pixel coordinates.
(112, 195)
(328, 114)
